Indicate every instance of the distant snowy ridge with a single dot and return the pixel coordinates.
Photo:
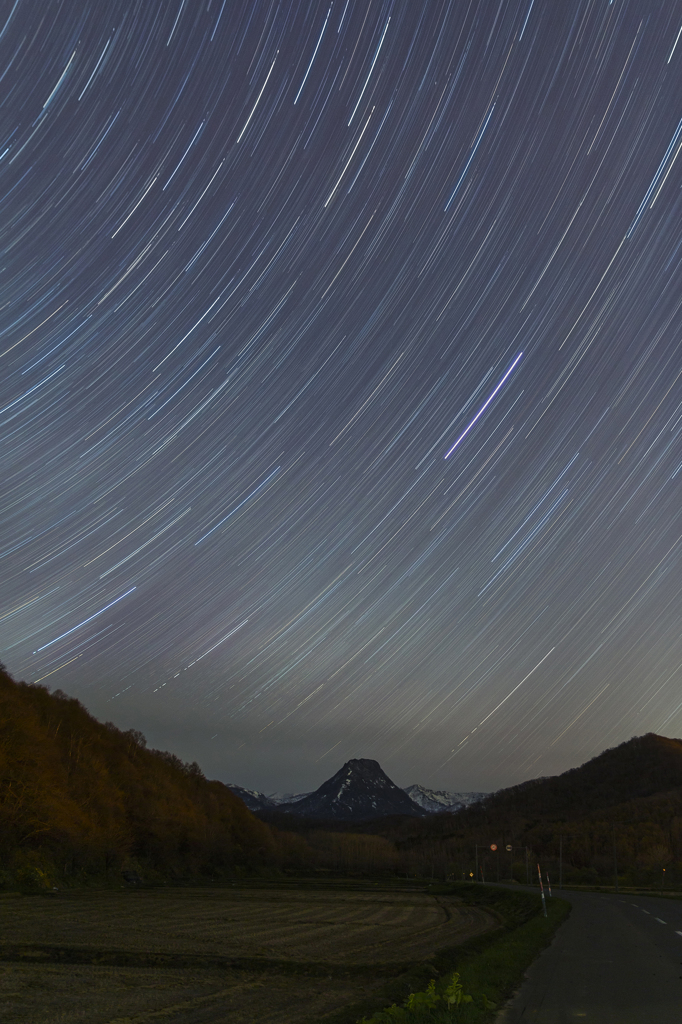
(286, 798)
(254, 800)
(435, 801)
(257, 801)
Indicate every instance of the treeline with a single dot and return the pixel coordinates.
(586, 851)
(618, 814)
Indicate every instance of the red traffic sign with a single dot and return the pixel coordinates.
(508, 849)
(493, 846)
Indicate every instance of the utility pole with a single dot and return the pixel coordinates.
(510, 850)
(561, 859)
(527, 874)
(615, 858)
(485, 846)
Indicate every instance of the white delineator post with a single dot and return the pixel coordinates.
(542, 893)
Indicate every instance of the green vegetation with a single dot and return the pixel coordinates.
(494, 974)
(489, 971)
(419, 1005)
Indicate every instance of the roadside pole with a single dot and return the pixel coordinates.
(542, 893)
(493, 847)
(561, 855)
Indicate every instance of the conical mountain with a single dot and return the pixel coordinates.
(359, 791)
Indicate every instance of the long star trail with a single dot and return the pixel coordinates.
(485, 405)
(341, 378)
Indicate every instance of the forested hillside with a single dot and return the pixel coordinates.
(636, 769)
(77, 796)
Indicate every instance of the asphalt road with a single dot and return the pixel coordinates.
(616, 960)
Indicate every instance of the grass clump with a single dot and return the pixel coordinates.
(420, 1005)
(473, 980)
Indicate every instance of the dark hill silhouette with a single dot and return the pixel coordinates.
(639, 768)
(358, 791)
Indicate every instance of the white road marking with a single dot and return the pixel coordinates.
(660, 921)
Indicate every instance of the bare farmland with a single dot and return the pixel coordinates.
(203, 956)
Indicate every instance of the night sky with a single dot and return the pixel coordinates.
(341, 378)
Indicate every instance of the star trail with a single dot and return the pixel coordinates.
(341, 378)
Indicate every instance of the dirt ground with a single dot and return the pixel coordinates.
(206, 956)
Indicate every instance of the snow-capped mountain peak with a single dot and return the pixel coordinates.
(360, 790)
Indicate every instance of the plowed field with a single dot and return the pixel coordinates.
(207, 956)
